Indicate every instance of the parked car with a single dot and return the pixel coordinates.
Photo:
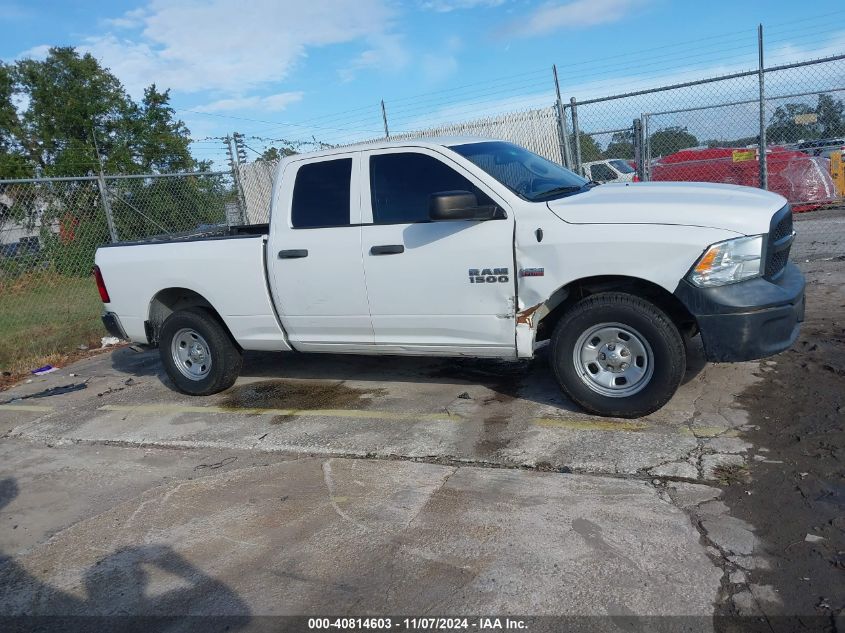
(824, 147)
(609, 170)
(469, 247)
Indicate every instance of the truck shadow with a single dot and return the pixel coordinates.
(531, 380)
(116, 593)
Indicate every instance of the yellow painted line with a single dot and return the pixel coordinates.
(363, 414)
(327, 413)
(631, 427)
(26, 407)
(591, 425)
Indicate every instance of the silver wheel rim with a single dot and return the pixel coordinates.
(191, 354)
(613, 360)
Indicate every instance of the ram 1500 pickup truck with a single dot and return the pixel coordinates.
(470, 247)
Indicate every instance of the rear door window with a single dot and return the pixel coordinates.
(321, 194)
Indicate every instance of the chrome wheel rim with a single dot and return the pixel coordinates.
(191, 354)
(613, 360)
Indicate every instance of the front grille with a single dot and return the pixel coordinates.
(782, 228)
(777, 262)
(779, 243)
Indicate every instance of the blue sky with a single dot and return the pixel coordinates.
(299, 70)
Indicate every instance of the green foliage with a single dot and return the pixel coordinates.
(670, 140)
(829, 121)
(274, 154)
(76, 113)
(590, 150)
(621, 145)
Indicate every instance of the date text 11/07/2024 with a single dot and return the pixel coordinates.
(417, 624)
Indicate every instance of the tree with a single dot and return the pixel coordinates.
(670, 140)
(830, 116)
(275, 154)
(590, 150)
(75, 108)
(621, 145)
(67, 115)
(784, 126)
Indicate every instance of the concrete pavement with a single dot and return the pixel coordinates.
(355, 486)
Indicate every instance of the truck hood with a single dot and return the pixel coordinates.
(744, 210)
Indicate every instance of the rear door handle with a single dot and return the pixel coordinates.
(387, 249)
(293, 253)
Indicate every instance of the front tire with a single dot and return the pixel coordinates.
(198, 353)
(618, 355)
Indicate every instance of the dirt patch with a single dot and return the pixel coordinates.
(797, 486)
(289, 394)
(56, 360)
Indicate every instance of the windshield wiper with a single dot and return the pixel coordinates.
(564, 190)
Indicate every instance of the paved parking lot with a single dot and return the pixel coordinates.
(354, 485)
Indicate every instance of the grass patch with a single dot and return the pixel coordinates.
(44, 317)
(731, 474)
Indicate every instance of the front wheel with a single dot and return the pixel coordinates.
(618, 355)
(197, 352)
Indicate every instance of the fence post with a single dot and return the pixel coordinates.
(638, 149)
(562, 132)
(384, 118)
(576, 132)
(764, 163)
(104, 196)
(646, 148)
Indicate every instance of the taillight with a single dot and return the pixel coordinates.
(101, 285)
(636, 178)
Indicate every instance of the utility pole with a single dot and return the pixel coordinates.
(104, 192)
(764, 166)
(236, 157)
(384, 118)
(562, 131)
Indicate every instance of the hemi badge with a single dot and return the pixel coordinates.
(532, 272)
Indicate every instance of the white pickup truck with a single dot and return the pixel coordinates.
(470, 247)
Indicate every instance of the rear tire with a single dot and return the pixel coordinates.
(198, 353)
(618, 355)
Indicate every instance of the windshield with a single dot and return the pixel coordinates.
(528, 175)
(622, 166)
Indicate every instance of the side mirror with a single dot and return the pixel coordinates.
(460, 205)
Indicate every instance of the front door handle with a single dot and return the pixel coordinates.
(387, 249)
(293, 253)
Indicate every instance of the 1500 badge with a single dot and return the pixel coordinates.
(488, 275)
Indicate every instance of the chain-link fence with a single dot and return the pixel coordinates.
(705, 130)
(50, 229)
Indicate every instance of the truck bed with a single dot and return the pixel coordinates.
(201, 234)
(224, 266)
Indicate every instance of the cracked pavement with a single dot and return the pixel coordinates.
(355, 485)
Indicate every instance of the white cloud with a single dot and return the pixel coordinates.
(386, 53)
(36, 52)
(226, 45)
(577, 14)
(445, 6)
(268, 103)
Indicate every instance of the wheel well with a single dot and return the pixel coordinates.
(170, 300)
(577, 290)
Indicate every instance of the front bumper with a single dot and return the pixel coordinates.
(112, 324)
(748, 320)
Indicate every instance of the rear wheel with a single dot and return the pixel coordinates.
(617, 354)
(197, 352)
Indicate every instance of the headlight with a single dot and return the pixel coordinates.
(729, 262)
